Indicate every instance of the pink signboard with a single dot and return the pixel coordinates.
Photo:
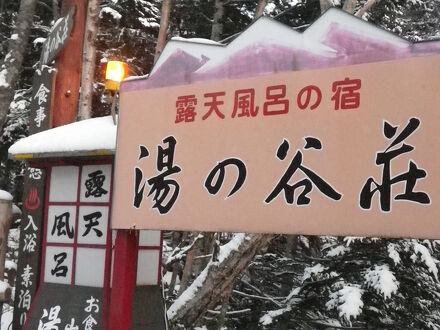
(343, 151)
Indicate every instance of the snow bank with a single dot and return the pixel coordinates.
(87, 135)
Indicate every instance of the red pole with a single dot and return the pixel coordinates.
(124, 279)
(69, 64)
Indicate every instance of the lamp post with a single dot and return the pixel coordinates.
(115, 72)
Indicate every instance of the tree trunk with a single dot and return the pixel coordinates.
(161, 38)
(55, 9)
(209, 287)
(325, 4)
(349, 6)
(89, 59)
(366, 7)
(260, 9)
(12, 63)
(217, 23)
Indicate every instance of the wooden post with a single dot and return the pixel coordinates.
(89, 59)
(161, 38)
(124, 279)
(69, 65)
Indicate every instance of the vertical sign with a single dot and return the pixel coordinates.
(39, 119)
(35, 179)
(28, 268)
(58, 37)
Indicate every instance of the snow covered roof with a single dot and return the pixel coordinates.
(91, 137)
(267, 46)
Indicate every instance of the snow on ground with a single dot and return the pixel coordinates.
(86, 135)
(382, 280)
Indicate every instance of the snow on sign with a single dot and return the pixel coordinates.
(342, 151)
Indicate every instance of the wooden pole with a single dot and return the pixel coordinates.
(260, 9)
(69, 65)
(161, 38)
(89, 59)
(124, 279)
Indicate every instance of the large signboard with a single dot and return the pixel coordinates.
(342, 151)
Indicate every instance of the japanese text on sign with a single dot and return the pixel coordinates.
(332, 151)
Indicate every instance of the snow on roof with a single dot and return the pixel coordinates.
(91, 137)
(333, 17)
(268, 31)
(4, 195)
(198, 41)
(337, 38)
(196, 47)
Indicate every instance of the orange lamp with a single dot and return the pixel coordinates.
(116, 71)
